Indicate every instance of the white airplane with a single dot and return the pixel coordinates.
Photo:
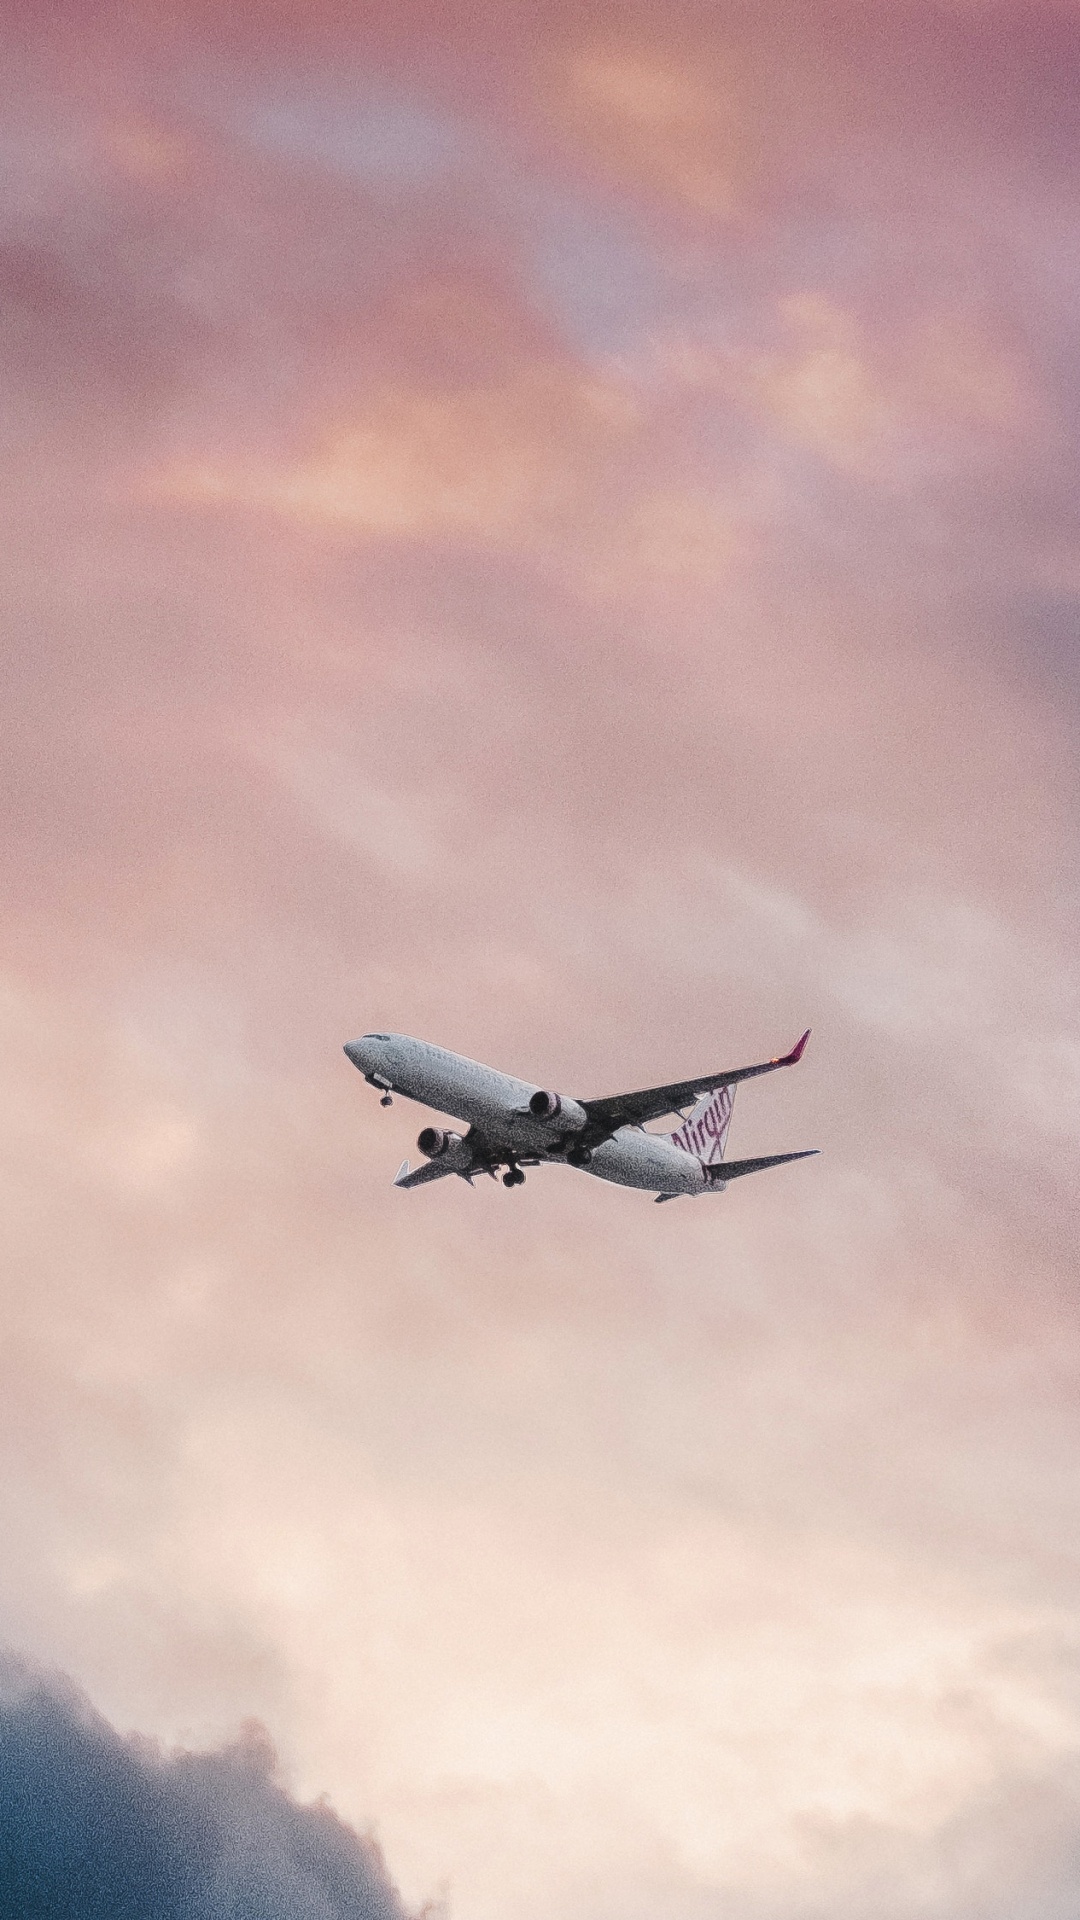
(515, 1125)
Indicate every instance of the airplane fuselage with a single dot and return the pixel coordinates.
(497, 1106)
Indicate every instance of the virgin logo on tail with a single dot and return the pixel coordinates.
(704, 1132)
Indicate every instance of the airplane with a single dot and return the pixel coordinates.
(515, 1125)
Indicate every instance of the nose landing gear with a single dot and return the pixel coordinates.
(386, 1101)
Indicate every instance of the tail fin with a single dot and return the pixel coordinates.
(704, 1132)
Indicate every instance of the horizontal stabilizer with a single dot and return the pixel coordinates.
(726, 1170)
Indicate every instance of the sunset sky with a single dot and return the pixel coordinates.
(553, 528)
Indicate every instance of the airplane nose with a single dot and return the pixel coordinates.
(368, 1053)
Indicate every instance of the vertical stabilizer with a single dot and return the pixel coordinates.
(704, 1132)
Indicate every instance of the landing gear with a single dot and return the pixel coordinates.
(386, 1101)
(579, 1156)
(513, 1177)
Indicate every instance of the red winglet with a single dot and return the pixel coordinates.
(796, 1053)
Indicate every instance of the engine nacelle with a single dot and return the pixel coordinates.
(554, 1109)
(435, 1141)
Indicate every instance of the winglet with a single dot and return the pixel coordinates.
(402, 1174)
(789, 1059)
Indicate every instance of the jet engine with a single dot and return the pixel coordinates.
(434, 1141)
(552, 1108)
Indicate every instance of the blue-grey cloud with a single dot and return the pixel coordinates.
(94, 1826)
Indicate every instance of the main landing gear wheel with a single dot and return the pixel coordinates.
(579, 1156)
(514, 1178)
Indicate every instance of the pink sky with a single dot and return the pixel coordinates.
(554, 529)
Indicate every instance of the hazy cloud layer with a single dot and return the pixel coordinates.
(558, 533)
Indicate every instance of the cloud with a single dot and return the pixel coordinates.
(97, 1827)
(928, 398)
(1015, 1849)
(652, 119)
(416, 465)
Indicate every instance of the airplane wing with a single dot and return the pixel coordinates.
(431, 1170)
(633, 1109)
